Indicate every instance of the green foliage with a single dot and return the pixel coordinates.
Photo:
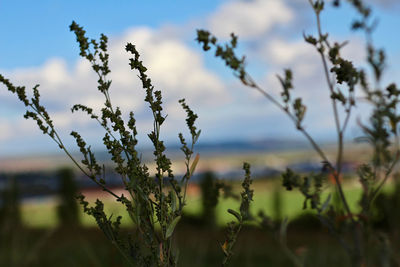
(242, 216)
(310, 186)
(154, 204)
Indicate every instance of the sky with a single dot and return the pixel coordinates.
(36, 47)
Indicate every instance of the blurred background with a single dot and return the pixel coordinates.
(38, 182)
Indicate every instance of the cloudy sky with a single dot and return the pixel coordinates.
(36, 47)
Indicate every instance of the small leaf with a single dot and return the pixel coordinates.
(173, 201)
(197, 136)
(310, 39)
(236, 214)
(171, 227)
(194, 164)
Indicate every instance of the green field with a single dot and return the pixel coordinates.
(42, 243)
(43, 214)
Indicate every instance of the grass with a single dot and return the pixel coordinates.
(89, 247)
(42, 214)
(46, 244)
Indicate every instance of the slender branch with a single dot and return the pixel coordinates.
(91, 176)
(312, 142)
(57, 139)
(336, 173)
(316, 147)
(328, 80)
(346, 120)
(188, 174)
(231, 244)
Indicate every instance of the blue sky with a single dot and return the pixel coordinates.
(44, 24)
(37, 47)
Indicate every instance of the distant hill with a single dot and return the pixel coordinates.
(265, 145)
(51, 161)
(224, 148)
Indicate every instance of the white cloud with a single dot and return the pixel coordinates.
(308, 78)
(175, 69)
(296, 54)
(249, 19)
